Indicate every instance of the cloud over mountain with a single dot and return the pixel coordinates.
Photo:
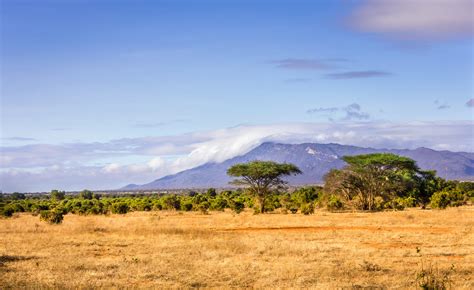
(135, 160)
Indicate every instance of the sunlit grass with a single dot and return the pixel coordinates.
(164, 249)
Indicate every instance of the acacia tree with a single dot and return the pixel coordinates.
(370, 175)
(261, 177)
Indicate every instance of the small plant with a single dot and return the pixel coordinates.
(370, 267)
(432, 278)
(53, 216)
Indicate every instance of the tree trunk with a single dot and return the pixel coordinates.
(262, 205)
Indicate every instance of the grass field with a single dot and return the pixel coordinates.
(221, 249)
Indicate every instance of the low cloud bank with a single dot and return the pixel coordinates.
(74, 166)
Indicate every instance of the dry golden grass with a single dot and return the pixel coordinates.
(170, 249)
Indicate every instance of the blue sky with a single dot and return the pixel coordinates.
(76, 76)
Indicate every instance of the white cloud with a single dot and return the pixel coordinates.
(31, 168)
(156, 163)
(416, 19)
(112, 167)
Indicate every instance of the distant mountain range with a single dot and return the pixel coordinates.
(314, 160)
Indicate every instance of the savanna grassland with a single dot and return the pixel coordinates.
(222, 249)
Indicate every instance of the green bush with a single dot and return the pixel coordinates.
(86, 194)
(400, 203)
(171, 202)
(52, 216)
(443, 199)
(7, 211)
(218, 203)
(57, 194)
(17, 196)
(211, 192)
(237, 205)
(187, 205)
(203, 207)
(307, 208)
(119, 208)
(334, 203)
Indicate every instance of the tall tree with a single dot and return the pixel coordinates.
(261, 177)
(370, 175)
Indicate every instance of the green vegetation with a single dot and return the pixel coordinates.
(261, 177)
(54, 216)
(388, 181)
(368, 182)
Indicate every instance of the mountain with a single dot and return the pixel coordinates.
(314, 160)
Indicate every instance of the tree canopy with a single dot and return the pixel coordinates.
(261, 176)
(382, 175)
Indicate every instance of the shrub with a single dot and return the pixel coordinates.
(211, 192)
(187, 206)
(334, 203)
(17, 207)
(203, 207)
(171, 202)
(57, 194)
(86, 194)
(379, 203)
(237, 205)
(17, 196)
(219, 203)
(157, 205)
(400, 203)
(7, 211)
(52, 216)
(119, 207)
(307, 208)
(440, 199)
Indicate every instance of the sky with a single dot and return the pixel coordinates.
(100, 94)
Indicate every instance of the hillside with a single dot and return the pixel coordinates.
(314, 160)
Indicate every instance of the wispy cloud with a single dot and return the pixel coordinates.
(349, 113)
(470, 103)
(443, 107)
(322, 110)
(357, 74)
(415, 19)
(308, 64)
(354, 112)
(440, 105)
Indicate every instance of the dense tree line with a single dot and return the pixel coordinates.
(368, 182)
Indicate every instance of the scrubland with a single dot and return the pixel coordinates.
(223, 249)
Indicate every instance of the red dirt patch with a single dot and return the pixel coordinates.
(338, 228)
